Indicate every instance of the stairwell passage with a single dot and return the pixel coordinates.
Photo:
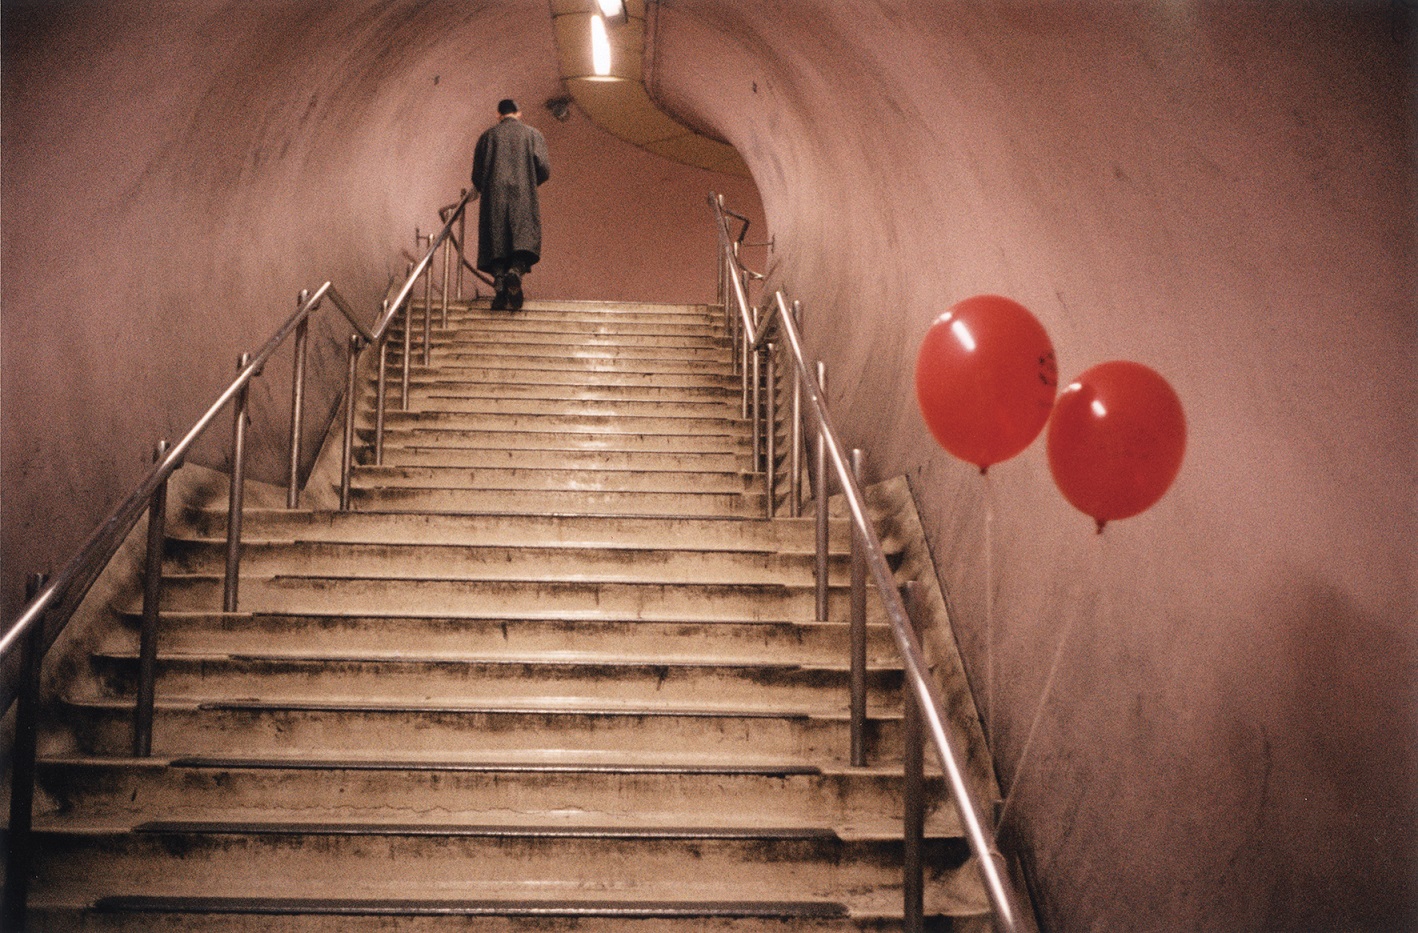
(552, 667)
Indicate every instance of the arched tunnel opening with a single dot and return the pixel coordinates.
(1223, 192)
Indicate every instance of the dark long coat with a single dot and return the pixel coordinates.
(509, 163)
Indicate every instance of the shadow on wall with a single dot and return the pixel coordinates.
(1349, 680)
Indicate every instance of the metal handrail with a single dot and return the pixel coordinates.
(48, 611)
(981, 837)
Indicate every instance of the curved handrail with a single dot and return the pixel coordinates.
(69, 587)
(1008, 912)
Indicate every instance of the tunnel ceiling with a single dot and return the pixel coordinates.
(618, 102)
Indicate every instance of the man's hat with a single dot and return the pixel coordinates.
(507, 105)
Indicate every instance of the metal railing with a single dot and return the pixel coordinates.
(50, 605)
(752, 330)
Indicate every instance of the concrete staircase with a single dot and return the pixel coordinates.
(552, 671)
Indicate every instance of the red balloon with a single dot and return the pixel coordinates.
(985, 379)
(1116, 440)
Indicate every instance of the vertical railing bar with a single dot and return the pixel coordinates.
(236, 493)
(913, 794)
(297, 404)
(18, 838)
(743, 360)
(380, 389)
(347, 460)
(858, 635)
(152, 608)
(757, 409)
(462, 238)
(428, 304)
(820, 493)
(408, 349)
(770, 408)
(447, 257)
(795, 465)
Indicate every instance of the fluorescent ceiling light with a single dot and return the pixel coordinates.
(600, 46)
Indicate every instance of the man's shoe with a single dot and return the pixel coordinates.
(514, 289)
(499, 301)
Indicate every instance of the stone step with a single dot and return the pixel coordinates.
(542, 562)
(612, 460)
(455, 499)
(582, 789)
(723, 425)
(358, 915)
(311, 860)
(535, 598)
(414, 434)
(456, 364)
(553, 477)
(609, 639)
(423, 384)
(586, 328)
(410, 677)
(504, 404)
(570, 345)
(702, 733)
(512, 375)
(537, 313)
(791, 535)
(497, 915)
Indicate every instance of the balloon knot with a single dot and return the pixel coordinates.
(1101, 522)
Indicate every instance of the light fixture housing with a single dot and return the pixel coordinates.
(612, 9)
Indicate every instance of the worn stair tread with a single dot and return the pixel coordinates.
(566, 660)
(499, 618)
(547, 761)
(395, 526)
(781, 769)
(630, 551)
(546, 707)
(395, 907)
(552, 581)
(491, 831)
(543, 707)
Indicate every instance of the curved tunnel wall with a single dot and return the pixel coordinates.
(1224, 192)
(174, 173)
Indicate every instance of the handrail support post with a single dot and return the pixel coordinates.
(297, 405)
(380, 403)
(427, 303)
(152, 609)
(408, 347)
(913, 794)
(795, 459)
(447, 271)
(236, 493)
(462, 238)
(859, 634)
(757, 409)
(820, 492)
(770, 417)
(347, 460)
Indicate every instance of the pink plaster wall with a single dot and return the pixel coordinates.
(1224, 192)
(175, 172)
